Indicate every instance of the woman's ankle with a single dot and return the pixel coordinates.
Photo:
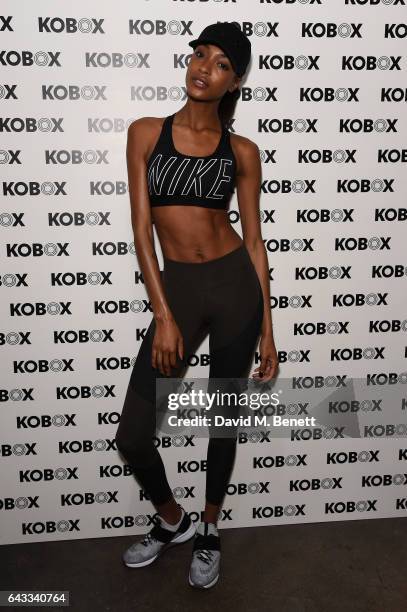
(171, 515)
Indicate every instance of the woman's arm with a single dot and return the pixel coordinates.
(139, 136)
(248, 181)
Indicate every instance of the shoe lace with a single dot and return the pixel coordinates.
(147, 540)
(205, 555)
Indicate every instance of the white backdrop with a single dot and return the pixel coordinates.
(325, 100)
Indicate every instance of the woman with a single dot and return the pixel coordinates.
(182, 171)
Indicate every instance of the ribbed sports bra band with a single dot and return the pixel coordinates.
(190, 180)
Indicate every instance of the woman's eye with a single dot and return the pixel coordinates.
(199, 53)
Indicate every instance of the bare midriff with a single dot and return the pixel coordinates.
(194, 234)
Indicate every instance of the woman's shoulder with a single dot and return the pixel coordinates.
(143, 134)
(243, 148)
(242, 142)
(146, 123)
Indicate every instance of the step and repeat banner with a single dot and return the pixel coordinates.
(325, 100)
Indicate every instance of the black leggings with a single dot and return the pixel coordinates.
(222, 296)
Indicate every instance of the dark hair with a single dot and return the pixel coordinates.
(227, 106)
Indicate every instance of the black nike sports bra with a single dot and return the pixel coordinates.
(174, 178)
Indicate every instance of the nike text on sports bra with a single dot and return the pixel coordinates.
(174, 178)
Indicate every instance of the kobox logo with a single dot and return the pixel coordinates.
(70, 25)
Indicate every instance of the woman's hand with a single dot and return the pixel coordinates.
(269, 360)
(168, 344)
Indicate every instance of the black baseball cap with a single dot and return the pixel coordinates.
(229, 37)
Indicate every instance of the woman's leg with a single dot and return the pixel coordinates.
(234, 307)
(236, 310)
(137, 428)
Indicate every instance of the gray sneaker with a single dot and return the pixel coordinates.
(159, 539)
(205, 564)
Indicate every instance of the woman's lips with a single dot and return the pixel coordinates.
(199, 83)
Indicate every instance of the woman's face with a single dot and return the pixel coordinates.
(210, 74)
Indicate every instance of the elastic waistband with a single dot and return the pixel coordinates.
(235, 255)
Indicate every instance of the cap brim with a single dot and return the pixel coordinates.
(203, 41)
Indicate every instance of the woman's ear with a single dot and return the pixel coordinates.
(235, 85)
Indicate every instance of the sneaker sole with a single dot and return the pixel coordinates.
(203, 586)
(180, 539)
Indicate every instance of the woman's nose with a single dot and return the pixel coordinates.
(205, 66)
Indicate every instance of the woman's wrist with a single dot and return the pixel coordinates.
(267, 332)
(163, 316)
